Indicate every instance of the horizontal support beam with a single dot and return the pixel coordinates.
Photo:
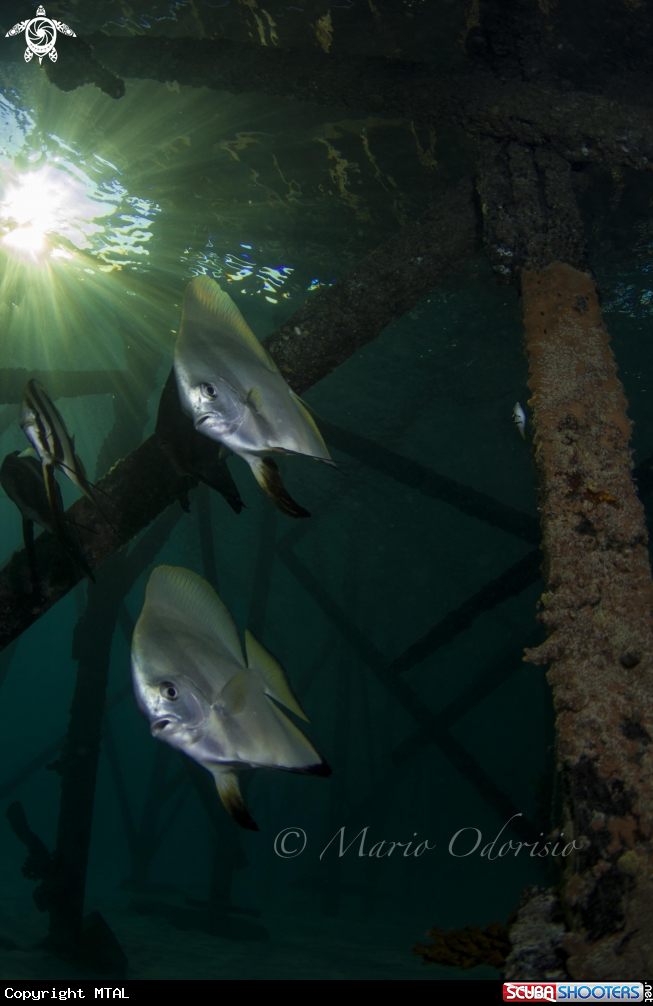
(583, 128)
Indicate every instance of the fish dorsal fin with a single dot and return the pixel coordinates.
(308, 416)
(276, 683)
(190, 598)
(204, 299)
(233, 696)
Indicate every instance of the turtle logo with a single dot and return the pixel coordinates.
(40, 35)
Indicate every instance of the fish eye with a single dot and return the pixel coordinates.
(169, 691)
(210, 390)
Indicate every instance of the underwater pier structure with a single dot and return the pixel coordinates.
(598, 601)
(597, 607)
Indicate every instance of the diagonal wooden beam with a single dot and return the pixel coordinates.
(429, 723)
(429, 482)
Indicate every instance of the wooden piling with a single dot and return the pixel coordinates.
(597, 608)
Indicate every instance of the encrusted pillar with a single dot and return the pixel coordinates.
(597, 609)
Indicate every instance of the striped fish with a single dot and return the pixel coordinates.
(43, 426)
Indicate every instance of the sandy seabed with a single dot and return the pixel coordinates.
(270, 946)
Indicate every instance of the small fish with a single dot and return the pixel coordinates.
(43, 426)
(201, 696)
(232, 390)
(21, 477)
(519, 419)
(190, 453)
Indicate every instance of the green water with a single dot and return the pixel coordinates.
(122, 203)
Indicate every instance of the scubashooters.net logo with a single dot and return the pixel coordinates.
(40, 35)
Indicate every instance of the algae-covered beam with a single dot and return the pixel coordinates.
(598, 611)
(322, 334)
(530, 215)
(598, 599)
(583, 128)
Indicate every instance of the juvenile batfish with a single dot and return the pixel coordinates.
(519, 419)
(43, 426)
(232, 390)
(21, 477)
(201, 696)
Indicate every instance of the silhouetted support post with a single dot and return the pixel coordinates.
(146, 838)
(80, 754)
(63, 872)
(598, 607)
(207, 547)
(228, 854)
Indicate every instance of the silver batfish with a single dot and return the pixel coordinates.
(193, 684)
(232, 389)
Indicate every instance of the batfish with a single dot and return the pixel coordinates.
(231, 388)
(204, 698)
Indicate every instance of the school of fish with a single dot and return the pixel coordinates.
(199, 691)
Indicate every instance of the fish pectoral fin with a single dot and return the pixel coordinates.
(233, 697)
(276, 683)
(232, 799)
(267, 475)
(255, 399)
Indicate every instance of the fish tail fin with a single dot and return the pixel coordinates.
(232, 799)
(267, 475)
